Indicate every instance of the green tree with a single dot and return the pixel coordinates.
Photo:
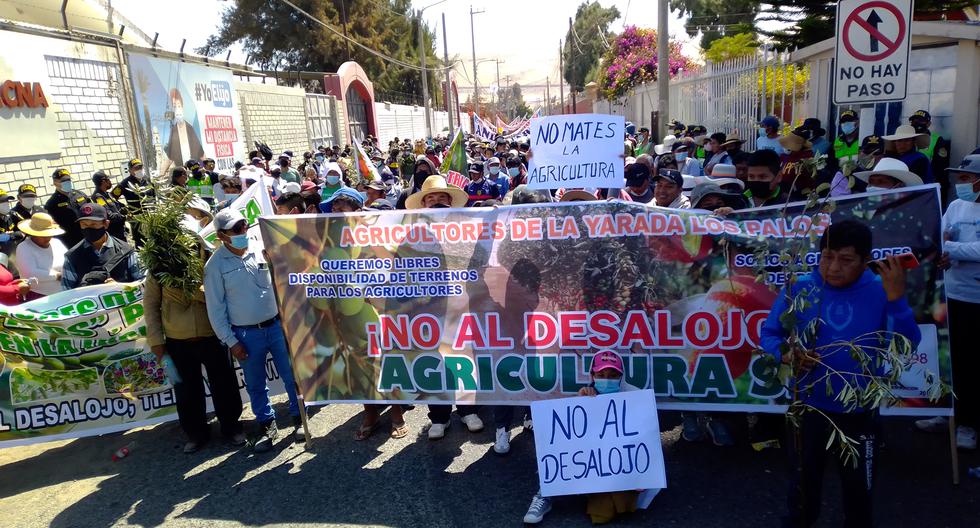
(278, 37)
(512, 102)
(716, 18)
(586, 42)
(726, 48)
(811, 21)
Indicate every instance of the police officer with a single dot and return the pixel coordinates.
(99, 257)
(847, 144)
(9, 235)
(64, 206)
(114, 209)
(198, 181)
(938, 149)
(132, 192)
(26, 203)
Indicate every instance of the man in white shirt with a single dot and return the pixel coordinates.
(40, 256)
(961, 259)
(769, 135)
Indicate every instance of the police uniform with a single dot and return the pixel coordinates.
(19, 213)
(131, 192)
(199, 181)
(64, 208)
(937, 151)
(9, 235)
(113, 207)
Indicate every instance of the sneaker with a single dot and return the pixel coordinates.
(193, 446)
(298, 433)
(502, 445)
(966, 438)
(540, 506)
(473, 423)
(692, 429)
(437, 430)
(269, 434)
(238, 439)
(719, 434)
(938, 424)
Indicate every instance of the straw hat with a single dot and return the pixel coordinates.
(577, 195)
(894, 168)
(40, 225)
(794, 142)
(908, 132)
(732, 139)
(436, 184)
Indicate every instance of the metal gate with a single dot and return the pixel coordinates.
(321, 114)
(357, 116)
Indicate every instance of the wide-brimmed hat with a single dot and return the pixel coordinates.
(894, 168)
(794, 142)
(41, 225)
(577, 195)
(665, 147)
(732, 139)
(908, 132)
(436, 184)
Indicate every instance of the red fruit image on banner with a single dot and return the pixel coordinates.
(685, 248)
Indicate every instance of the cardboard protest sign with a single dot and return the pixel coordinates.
(576, 151)
(507, 306)
(77, 364)
(592, 444)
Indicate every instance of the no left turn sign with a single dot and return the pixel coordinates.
(872, 50)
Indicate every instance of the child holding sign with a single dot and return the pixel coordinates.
(607, 378)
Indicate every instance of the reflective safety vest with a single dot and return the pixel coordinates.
(202, 187)
(931, 149)
(845, 152)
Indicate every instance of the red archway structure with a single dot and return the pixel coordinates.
(451, 98)
(352, 87)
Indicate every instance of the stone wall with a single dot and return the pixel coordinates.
(275, 115)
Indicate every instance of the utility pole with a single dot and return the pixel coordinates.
(547, 96)
(497, 105)
(425, 82)
(510, 111)
(450, 107)
(476, 80)
(571, 82)
(561, 78)
(663, 73)
(343, 14)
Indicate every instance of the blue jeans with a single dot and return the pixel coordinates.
(259, 343)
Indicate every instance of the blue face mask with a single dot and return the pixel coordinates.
(965, 192)
(494, 170)
(762, 132)
(680, 157)
(333, 179)
(848, 127)
(607, 386)
(239, 241)
(513, 171)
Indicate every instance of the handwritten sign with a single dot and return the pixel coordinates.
(592, 444)
(576, 151)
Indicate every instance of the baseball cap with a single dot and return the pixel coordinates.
(770, 121)
(27, 190)
(92, 211)
(135, 162)
(227, 218)
(970, 164)
(636, 173)
(476, 166)
(381, 205)
(377, 185)
(4, 197)
(60, 173)
(872, 144)
(723, 170)
(923, 114)
(848, 115)
(99, 176)
(307, 186)
(291, 187)
(672, 175)
(607, 359)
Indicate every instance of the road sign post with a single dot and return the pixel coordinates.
(872, 56)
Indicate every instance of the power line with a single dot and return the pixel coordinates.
(362, 46)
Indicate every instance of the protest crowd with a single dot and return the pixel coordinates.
(69, 240)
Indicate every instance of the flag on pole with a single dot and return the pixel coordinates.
(365, 169)
(455, 159)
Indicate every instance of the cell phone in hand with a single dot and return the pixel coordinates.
(907, 261)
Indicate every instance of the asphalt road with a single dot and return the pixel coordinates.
(457, 481)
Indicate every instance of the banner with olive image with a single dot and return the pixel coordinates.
(76, 364)
(509, 305)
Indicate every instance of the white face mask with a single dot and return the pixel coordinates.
(4, 207)
(875, 188)
(28, 202)
(139, 174)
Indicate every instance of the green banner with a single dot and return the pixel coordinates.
(509, 305)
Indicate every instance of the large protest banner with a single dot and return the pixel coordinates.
(76, 364)
(185, 111)
(509, 305)
(576, 151)
(591, 444)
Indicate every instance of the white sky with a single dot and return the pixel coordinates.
(524, 34)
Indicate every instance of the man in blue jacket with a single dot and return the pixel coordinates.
(851, 306)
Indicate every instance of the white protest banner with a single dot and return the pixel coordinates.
(576, 151)
(592, 444)
(252, 203)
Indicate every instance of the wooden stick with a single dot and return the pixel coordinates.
(954, 454)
